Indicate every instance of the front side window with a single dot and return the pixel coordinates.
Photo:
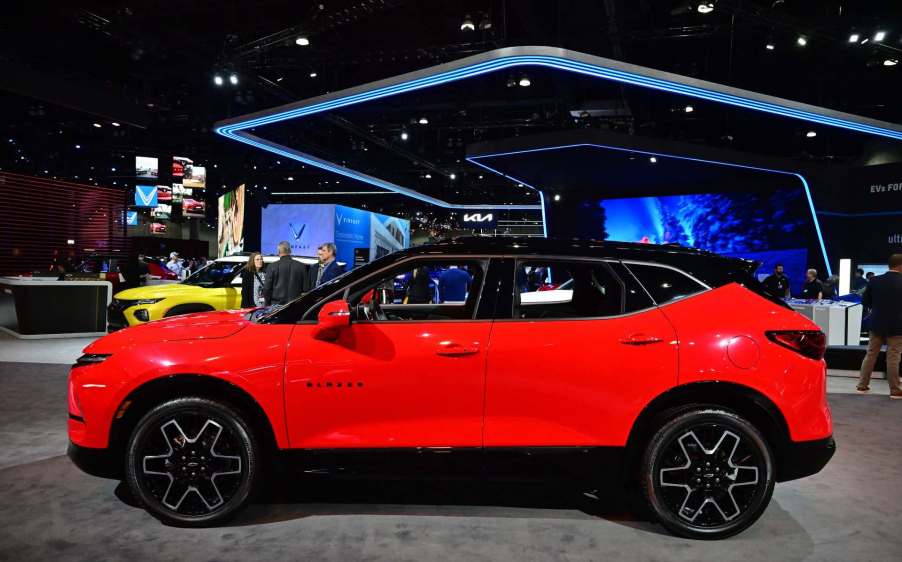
(566, 289)
(663, 283)
(424, 290)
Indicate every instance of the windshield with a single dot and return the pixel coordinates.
(217, 274)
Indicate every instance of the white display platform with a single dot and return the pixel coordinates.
(839, 320)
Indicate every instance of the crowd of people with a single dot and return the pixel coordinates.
(285, 279)
(813, 288)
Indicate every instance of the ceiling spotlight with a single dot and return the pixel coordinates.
(404, 135)
(770, 46)
(302, 41)
(114, 124)
(428, 176)
(217, 80)
(880, 36)
(423, 121)
(705, 7)
(467, 24)
(77, 146)
(688, 109)
(811, 134)
(233, 78)
(890, 62)
(97, 125)
(452, 175)
(485, 23)
(653, 160)
(802, 41)
(557, 197)
(525, 82)
(313, 74)
(854, 38)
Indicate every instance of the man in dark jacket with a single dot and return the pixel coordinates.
(884, 296)
(285, 279)
(328, 269)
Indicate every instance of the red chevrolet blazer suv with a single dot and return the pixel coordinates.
(666, 370)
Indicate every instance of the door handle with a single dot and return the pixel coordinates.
(453, 349)
(640, 339)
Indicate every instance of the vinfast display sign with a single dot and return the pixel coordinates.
(146, 196)
(767, 227)
(305, 227)
(230, 223)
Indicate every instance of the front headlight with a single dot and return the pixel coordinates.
(91, 359)
(147, 301)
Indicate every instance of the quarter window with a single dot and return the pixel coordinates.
(663, 283)
(567, 289)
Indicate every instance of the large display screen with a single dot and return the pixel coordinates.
(230, 224)
(146, 167)
(146, 196)
(305, 227)
(769, 227)
(179, 163)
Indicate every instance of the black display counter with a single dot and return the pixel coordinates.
(35, 307)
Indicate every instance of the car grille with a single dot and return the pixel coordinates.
(115, 317)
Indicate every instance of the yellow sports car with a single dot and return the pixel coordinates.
(215, 287)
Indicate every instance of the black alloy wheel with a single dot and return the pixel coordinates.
(708, 474)
(192, 462)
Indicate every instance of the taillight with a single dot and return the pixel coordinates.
(810, 343)
(74, 405)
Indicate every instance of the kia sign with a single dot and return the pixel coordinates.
(478, 220)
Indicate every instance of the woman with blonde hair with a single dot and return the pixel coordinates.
(253, 276)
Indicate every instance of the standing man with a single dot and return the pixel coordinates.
(175, 264)
(884, 296)
(285, 279)
(777, 282)
(812, 289)
(328, 268)
(859, 283)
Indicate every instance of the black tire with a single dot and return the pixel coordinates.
(707, 474)
(211, 480)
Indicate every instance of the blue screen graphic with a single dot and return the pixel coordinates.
(771, 228)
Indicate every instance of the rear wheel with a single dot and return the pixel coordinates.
(707, 474)
(192, 462)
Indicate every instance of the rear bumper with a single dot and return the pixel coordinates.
(799, 459)
(96, 462)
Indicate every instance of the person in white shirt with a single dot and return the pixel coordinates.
(175, 264)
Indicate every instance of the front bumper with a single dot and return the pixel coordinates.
(799, 459)
(96, 462)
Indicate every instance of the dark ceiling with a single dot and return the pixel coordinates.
(149, 66)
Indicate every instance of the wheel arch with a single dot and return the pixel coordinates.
(749, 403)
(151, 393)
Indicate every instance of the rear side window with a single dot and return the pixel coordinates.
(567, 289)
(665, 284)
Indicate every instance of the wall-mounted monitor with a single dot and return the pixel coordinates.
(147, 167)
(146, 196)
(179, 163)
(194, 207)
(131, 218)
(195, 177)
(161, 211)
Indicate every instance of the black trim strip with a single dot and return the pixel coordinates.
(76, 418)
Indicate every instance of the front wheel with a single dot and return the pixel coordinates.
(707, 474)
(192, 462)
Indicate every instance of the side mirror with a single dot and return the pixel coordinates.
(332, 318)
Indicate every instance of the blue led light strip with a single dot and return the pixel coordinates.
(817, 226)
(502, 59)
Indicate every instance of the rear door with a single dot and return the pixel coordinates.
(574, 366)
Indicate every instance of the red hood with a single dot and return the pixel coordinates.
(202, 325)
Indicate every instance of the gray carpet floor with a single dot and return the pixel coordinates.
(49, 510)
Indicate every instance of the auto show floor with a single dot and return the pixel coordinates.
(49, 510)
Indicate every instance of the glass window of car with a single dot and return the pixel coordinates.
(664, 284)
(419, 290)
(216, 274)
(635, 297)
(567, 289)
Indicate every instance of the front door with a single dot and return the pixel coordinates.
(408, 372)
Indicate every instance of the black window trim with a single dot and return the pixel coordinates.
(627, 263)
(485, 259)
